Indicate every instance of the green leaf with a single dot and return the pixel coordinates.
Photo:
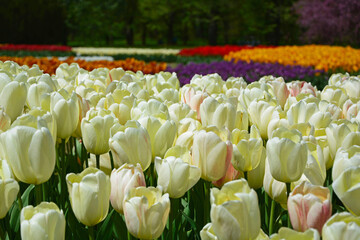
(119, 227)
(105, 231)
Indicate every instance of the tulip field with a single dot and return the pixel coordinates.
(226, 142)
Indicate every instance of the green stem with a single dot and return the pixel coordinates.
(173, 214)
(111, 160)
(288, 190)
(91, 233)
(63, 172)
(7, 226)
(44, 191)
(84, 154)
(38, 194)
(2, 229)
(272, 211)
(206, 202)
(98, 161)
(128, 235)
(20, 201)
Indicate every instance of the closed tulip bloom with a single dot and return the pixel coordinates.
(207, 233)
(122, 180)
(30, 152)
(350, 109)
(230, 175)
(36, 93)
(179, 111)
(261, 113)
(222, 114)
(342, 226)
(253, 92)
(65, 108)
(309, 206)
(152, 108)
(211, 153)
(193, 98)
(89, 193)
(175, 176)
(298, 87)
(345, 158)
(95, 128)
(289, 234)
(131, 144)
(347, 188)
(301, 112)
(287, 155)
(146, 212)
(162, 134)
(315, 168)
(9, 188)
(255, 177)
(279, 87)
(248, 149)
(235, 211)
(45, 221)
(84, 107)
(13, 96)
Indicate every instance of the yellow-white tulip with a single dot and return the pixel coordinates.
(335, 95)
(5, 120)
(9, 188)
(45, 221)
(287, 155)
(344, 159)
(235, 197)
(30, 152)
(162, 134)
(342, 226)
(13, 97)
(95, 128)
(289, 234)
(65, 108)
(347, 188)
(131, 144)
(146, 212)
(89, 193)
(175, 176)
(275, 189)
(248, 149)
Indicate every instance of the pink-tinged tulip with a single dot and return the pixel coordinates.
(350, 109)
(309, 206)
(5, 120)
(193, 98)
(279, 88)
(122, 180)
(297, 87)
(84, 107)
(231, 174)
(211, 152)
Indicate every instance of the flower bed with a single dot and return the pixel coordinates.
(216, 50)
(29, 47)
(320, 57)
(198, 161)
(49, 65)
(250, 71)
(129, 51)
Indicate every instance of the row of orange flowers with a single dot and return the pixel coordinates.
(49, 65)
(321, 57)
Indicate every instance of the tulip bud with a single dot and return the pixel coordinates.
(235, 197)
(193, 98)
(309, 206)
(342, 226)
(9, 188)
(131, 144)
(122, 180)
(211, 153)
(95, 128)
(45, 221)
(175, 176)
(287, 155)
(30, 153)
(146, 212)
(65, 109)
(89, 194)
(347, 188)
(287, 233)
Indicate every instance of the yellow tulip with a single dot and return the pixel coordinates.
(342, 226)
(289, 234)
